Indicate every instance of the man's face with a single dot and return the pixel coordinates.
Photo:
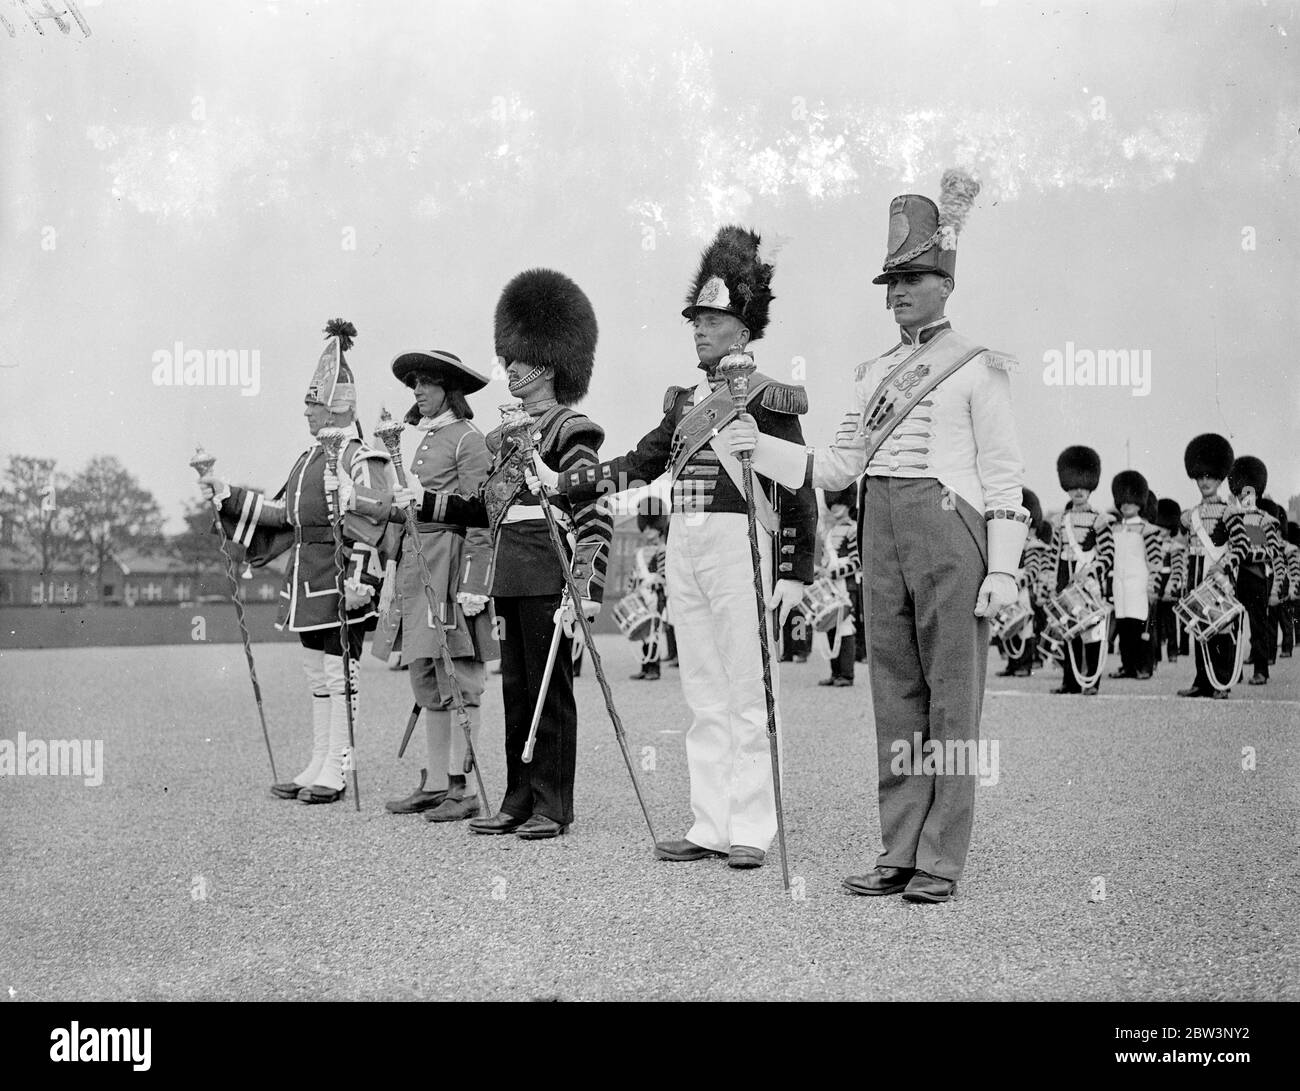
(524, 379)
(1129, 510)
(430, 397)
(1079, 496)
(650, 536)
(839, 512)
(1208, 486)
(918, 298)
(715, 333)
(318, 416)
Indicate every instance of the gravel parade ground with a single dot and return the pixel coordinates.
(1123, 854)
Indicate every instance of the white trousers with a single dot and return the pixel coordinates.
(711, 596)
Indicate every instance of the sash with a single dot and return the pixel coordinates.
(909, 382)
(696, 428)
(1211, 550)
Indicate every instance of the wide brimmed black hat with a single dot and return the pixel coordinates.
(1129, 487)
(544, 319)
(1248, 470)
(444, 366)
(1208, 455)
(1078, 468)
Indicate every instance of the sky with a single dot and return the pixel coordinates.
(230, 176)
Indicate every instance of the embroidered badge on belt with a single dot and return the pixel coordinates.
(905, 383)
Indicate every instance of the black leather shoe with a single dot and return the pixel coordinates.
(745, 856)
(417, 801)
(1194, 691)
(501, 822)
(1064, 689)
(453, 809)
(1008, 672)
(683, 850)
(636, 677)
(1120, 674)
(925, 887)
(1259, 679)
(879, 881)
(288, 789)
(1090, 691)
(539, 828)
(318, 793)
(1143, 676)
(1218, 694)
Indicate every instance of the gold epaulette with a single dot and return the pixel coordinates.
(670, 398)
(1003, 361)
(784, 398)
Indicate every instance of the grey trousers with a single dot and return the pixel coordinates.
(924, 555)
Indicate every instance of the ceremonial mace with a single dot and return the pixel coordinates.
(332, 441)
(516, 424)
(389, 432)
(203, 463)
(736, 368)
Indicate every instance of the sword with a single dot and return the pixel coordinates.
(517, 424)
(556, 634)
(203, 463)
(390, 432)
(332, 440)
(736, 368)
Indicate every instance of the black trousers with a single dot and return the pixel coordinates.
(545, 785)
(1087, 656)
(1286, 619)
(1252, 592)
(330, 641)
(1134, 651)
(1167, 629)
(842, 664)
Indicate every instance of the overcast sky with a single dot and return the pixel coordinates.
(230, 176)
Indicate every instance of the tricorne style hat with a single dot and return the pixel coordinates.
(444, 366)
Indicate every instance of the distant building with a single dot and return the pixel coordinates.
(22, 583)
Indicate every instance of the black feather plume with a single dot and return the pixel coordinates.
(344, 330)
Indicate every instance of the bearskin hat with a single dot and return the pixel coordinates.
(1129, 487)
(652, 511)
(1029, 500)
(1148, 511)
(546, 320)
(848, 497)
(734, 279)
(1273, 508)
(1248, 470)
(1208, 455)
(1168, 513)
(1078, 468)
(1293, 533)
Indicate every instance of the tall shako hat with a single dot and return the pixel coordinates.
(733, 278)
(1208, 455)
(1078, 468)
(1030, 502)
(1248, 470)
(1130, 487)
(332, 383)
(545, 320)
(923, 235)
(1168, 513)
(445, 367)
(652, 512)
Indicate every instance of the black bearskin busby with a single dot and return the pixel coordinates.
(1208, 455)
(1129, 487)
(1029, 500)
(733, 279)
(652, 511)
(1293, 534)
(1273, 508)
(546, 320)
(1168, 513)
(1078, 468)
(1248, 471)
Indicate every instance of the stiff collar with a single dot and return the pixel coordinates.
(926, 332)
(432, 424)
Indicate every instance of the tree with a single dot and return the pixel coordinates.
(110, 510)
(36, 520)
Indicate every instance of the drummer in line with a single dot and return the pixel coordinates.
(841, 567)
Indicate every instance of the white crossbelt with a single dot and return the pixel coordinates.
(529, 513)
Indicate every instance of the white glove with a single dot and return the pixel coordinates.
(471, 605)
(998, 590)
(741, 435)
(215, 489)
(787, 595)
(590, 610)
(408, 495)
(356, 593)
(540, 476)
(388, 593)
